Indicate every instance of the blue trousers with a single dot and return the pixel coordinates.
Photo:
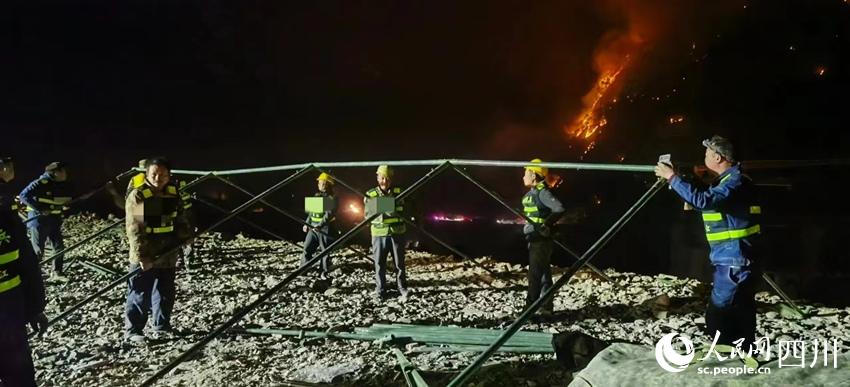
(16, 368)
(381, 246)
(732, 309)
(48, 232)
(149, 291)
(315, 240)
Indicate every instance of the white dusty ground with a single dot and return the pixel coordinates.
(86, 349)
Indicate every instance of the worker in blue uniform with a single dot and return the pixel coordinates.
(45, 199)
(730, 213)
(21, 289)
(544, 210)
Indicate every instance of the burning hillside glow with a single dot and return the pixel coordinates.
(591, 119)
(610, 61)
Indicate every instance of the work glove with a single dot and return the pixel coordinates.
(39, 324)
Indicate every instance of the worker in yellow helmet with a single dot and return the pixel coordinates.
(321, 231)
(388, 235)
(543, 209)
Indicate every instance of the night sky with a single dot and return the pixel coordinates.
(231, 84)
(217, 85)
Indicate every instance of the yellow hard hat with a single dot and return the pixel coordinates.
(542, 171)
(326, 177)
(143, 163)
(385, 170)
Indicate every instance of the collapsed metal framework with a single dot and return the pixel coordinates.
(439, 167)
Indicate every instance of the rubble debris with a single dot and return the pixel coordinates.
(232, 270)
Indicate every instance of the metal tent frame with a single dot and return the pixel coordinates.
(439, 166)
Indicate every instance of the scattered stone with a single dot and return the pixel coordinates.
(231, 271)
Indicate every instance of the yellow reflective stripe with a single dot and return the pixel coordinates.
(755, 210)
(537, 220)
(399, 208)
(138, 180)
(172, 190)
(530, 209)
(733, 234)
(14, 207)
(188, 205)
(159, 230)
(712, 216)
(147, 193)
(8, 257)
(726, 178)
(10, 284)
(396, 190)
(174, 214)
(51, 211)
(391, 220)
(372, 194)
(49, 201)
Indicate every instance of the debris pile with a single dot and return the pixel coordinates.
(448, 297)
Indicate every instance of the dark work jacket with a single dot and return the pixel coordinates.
(18, 304)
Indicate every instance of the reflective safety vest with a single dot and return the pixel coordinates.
(187, 197)
(47, 196)
(161, 221)
(718, 227)
(136, 182)
(531, 205)
(391, 223)
(9, 270)
(317, 217)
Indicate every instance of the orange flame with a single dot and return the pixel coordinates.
(590, 120)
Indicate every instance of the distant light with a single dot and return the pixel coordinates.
(353, 208)
(791, 48)
(821, 70)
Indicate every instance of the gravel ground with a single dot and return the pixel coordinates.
(229, 272)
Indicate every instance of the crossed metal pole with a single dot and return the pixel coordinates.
(287, 214)
(229, 216)
(441, 166)
(536, 226)
(549, 294)
(412, 224)
(111, 226)
(280, 285)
